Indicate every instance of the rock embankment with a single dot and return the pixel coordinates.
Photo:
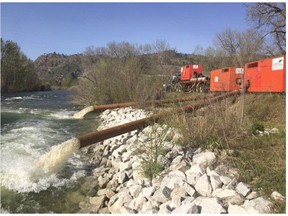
(192, 181)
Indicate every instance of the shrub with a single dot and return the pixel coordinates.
(151, 149)
(257, 126)
(121, 74)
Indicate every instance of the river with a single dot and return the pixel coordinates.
(31, 123)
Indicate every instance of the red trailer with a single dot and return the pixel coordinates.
(268, 75)
(226, 79)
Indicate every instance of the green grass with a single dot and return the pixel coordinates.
(261, 161)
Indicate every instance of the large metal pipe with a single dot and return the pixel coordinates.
(103, 107)
(145, 103)
(98, 136)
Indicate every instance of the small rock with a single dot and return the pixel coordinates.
(235, 209)
(164, 209)
(127, 210)
(243, 189)
(182, 166)
(225, 179)
(188, 200)
(97, 202)
(177, 195)
(211, 172)
(148, 191)
(189, 189)
(258, 205)
(124, 166)
(112, 184)
(194, 173)
(162, 195)
(231, 185)
(122, 177)
(209, 205)
(107, 192)
(177, 160)
(134, 190)
(203, 186)
(186, 209)
(252, 195)
(228, 195)
(147, 207)
(174, 178)
(274, 131)
(278, 197)
(118, 200)
(137, 202)
(204, 159)
(102, 181)
(215, 182)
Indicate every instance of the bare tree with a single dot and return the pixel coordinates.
(119, 75)
(241, 47)
(163, 51)
(270, 19)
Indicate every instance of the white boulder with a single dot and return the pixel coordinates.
(203, 186)
(258, 205)
(243, 189)
(204, 159)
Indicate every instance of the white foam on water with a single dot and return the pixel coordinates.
(62, 114)
(13, 98)
(59, 114)
(22, 170)
(53, 160)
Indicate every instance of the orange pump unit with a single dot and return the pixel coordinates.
(226, 79)
(190, 71)
(268, 75)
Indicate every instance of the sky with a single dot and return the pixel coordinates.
(70, 28)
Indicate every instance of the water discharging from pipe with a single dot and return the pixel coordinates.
(83, 112)
(56, 158)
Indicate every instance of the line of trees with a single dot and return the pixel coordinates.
(17, 71)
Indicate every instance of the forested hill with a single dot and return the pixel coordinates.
(59, 70)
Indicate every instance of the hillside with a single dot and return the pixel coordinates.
(61, 70)
(58, 69)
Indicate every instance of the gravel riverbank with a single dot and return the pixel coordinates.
(191, 182)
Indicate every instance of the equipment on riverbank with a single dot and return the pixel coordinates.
(103, 107)
(266, 75)
(98, 136)
(50, 164)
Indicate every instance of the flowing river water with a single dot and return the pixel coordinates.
(31, 124)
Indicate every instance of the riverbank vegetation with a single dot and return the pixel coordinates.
(17, 71)
(253, 143)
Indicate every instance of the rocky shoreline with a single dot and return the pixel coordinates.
(191, 181)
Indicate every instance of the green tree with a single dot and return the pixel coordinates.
(17, 71)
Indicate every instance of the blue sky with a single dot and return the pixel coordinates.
(70, 28)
